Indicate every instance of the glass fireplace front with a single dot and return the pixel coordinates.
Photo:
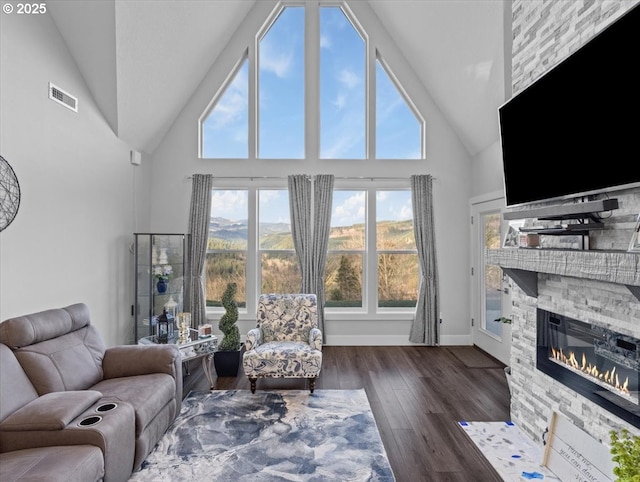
(600, 364)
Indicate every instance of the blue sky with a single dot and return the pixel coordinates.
(230, 204)
(281, 98)
(348, 208)
(281, 117)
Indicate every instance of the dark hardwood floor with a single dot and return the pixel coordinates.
(418, 395)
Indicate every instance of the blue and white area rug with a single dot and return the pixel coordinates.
(292, 435)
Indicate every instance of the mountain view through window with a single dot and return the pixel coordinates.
(230, 246)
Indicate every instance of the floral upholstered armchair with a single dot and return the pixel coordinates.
(286, 342)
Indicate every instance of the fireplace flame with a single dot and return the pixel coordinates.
(610, 376)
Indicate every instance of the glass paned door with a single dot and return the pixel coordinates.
(492, 275)
(490, 298)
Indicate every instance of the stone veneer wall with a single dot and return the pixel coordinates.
(544, 33)
(535, 395)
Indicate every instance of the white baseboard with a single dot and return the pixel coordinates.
(391, 340)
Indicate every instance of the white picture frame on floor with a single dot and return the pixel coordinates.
(634, 245)
(570, 453)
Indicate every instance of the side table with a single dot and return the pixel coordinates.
(196, 347)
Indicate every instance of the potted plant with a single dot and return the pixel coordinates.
(227, 357)
(625, 449)
(161, 273)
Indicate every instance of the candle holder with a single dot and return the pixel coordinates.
(163, 327)
(184, 323)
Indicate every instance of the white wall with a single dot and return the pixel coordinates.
(177, 157)
(70, 240)
(486, 171)
(82, 200)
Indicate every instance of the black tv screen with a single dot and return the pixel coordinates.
(576, 130)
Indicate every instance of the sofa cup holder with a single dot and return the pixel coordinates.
(89, 421)
(106, 407)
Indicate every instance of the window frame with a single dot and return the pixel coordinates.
(369, 83)
(260, 250)
(378, 252)
(370, 300)
(312, 86)
(410, 104)
(253, 272)
(369, 310)
(249, 253)
(214, 102)
(254, 117)
(364, 252)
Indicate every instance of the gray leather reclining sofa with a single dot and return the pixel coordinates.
(72, 409)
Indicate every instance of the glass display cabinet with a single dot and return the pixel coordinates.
(161, 271)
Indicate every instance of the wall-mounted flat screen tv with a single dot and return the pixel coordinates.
(576, 130)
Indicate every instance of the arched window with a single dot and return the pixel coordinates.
(327, 64)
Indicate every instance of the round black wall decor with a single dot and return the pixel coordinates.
(9, 194)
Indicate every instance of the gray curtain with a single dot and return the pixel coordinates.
(323, 200)
(311, 235)
(425, 328)
(199, 218)
(300, 191)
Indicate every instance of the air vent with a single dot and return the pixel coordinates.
(63, 98)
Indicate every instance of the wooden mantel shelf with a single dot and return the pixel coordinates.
(523, 265)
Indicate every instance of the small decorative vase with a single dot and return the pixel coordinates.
(162, 286)
(163, 258)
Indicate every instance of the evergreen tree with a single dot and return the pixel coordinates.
(227, 324)
(348, 280)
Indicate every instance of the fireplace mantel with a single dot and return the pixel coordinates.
(523, 265)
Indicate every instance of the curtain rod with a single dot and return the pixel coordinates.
(358, 178)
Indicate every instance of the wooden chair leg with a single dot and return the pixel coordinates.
(253, 384)
(312, 384)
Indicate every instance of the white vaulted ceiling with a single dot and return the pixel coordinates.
(143, 59)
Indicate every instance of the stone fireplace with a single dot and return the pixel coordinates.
(599, 287)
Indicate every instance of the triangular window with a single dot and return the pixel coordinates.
(398, 129)
(225, 128)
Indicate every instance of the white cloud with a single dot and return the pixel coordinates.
(344, 134)
(348, 78)
(274, 206)
(268, 196)
(387, 109)
(229, 109)
(325, 42)
(232, 105)
(406, 212)
(351, 210)
(394, 205)
(229, 204)
(240, 134)
(339, 146)
(279, 63)
(340, 101)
